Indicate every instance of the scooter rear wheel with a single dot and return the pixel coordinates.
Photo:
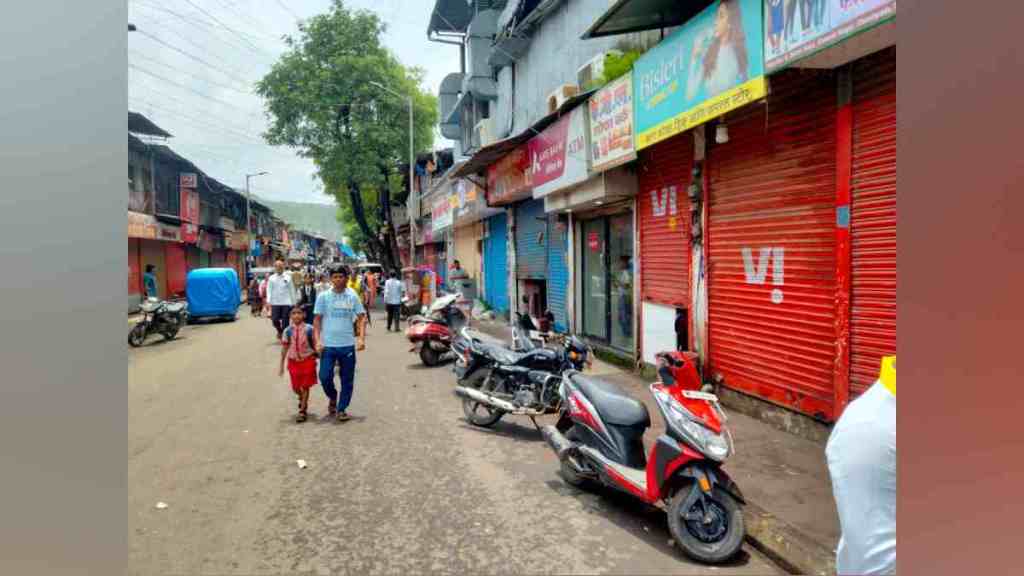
(713, 542)
(569, 474)
(429, 356)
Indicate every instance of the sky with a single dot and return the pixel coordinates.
(192, 65)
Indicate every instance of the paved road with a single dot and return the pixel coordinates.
(407, 486)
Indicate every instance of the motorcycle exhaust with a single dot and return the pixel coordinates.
(556, 440)
(485, 399)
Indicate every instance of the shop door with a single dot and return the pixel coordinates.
(558, 271)
(496, 262)
(771, 247)
(177, 268)
(531, 240)
(873, 218)
(134, 272)
(608, 280)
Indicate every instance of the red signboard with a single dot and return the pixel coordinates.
(189, 215)
(547, 153)
(594, 241)
(506, 178)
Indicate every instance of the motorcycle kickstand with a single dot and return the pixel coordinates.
(534, 420)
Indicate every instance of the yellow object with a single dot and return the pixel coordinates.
(704, 484)
(888, 373)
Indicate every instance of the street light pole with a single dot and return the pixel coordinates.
(412, 170)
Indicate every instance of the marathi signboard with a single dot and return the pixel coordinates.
(441, 214)
(168, 232)
(611, 125)
(470, 205)
(712, 64)
(558, 155)
(794, 30)
(142, 226)
(189, 215)
(506, 178)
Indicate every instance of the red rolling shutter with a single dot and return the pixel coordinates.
(873, 217)
(177, 268)
(771, 246)
(665, 174)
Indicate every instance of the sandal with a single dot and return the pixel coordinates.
(343, 416)
(301, 417)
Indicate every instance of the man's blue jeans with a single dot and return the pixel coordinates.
(345, 358)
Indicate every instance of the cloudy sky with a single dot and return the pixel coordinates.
(192, 64)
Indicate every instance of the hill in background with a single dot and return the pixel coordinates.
(318, 218)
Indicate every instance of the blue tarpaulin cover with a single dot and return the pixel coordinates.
(213, 292)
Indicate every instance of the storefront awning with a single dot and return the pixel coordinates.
(491, 153)
(625, 16)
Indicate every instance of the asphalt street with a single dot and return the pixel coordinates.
(406, 486)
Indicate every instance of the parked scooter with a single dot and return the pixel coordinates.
(431, 335)
(600, 438)
(158, 316)
(494, 380)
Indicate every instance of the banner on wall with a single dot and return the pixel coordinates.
(558, 155)
(710, 65)
(189, 215)
(611, 125)
(441, 213)
(506, 178)
(142, 226)
(795, 30)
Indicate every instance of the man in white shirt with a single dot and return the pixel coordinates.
(281, 296)
(861, 456)
(393, 289)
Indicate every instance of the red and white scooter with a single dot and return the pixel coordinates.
(600, 438)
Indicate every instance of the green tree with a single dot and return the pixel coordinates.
(320, 100)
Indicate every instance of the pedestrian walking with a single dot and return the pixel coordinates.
(340, 331)
(263, 295)
(322, 284)
(307, 297)
(371, 291)
(280, 293)
(297, 348)
(393, 289)
(861, 455)
(254, 296)
(149, 281)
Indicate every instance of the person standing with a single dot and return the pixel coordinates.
(393, 300)
(371, 290)
(307, 297)
(322, 284)
(255, 299)
(281, 295)
(339, 327)
(149, 281)
(861, 455)
(297, 349)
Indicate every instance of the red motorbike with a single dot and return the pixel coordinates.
(431, 335)
(599, 438)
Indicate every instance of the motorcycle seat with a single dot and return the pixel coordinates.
(499, 353)
(612, 403)
(175, 306)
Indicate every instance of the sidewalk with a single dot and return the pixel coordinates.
(790, 514)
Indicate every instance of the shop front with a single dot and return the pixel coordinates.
(470, 213)
(508, 188)
(495, 256)
(143, 248)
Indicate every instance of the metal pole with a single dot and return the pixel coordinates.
(412, 173)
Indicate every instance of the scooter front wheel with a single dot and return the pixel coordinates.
(137, 335)
(711, 529)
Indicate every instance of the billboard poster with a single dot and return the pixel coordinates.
(558, 155)
(441, 213)
(710, 65)
(611, 125)
(506, 178)
(795, 29)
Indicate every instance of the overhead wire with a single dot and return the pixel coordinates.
(134, 54)
(192, 56)
(173, 83)
(194, 20)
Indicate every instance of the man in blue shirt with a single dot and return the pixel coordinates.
(149, 280)
(339, 321)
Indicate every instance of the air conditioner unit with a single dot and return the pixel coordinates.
(483, 132)
(560, 95)
(594, 69)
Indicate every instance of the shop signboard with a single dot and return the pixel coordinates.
(611, 125)
(710, 65)
(469, 203)
(506, 178)
(142, 226)
(558, 155)
(441, 214)
(168, 232)
(226, 223)
(189, 215)
(795, 30)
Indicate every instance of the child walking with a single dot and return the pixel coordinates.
(299, 349)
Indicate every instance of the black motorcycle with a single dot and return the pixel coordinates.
(494, 380)
(159, 316)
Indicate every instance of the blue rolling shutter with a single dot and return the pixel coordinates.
(558, 272)
(496, 263)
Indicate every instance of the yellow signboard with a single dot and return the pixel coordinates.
(749, 91)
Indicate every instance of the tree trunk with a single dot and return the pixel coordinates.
(359, 212)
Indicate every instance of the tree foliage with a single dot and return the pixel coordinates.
(320, 99)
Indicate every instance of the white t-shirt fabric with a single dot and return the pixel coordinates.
(279, 290)
(393, 291)
(861, 454)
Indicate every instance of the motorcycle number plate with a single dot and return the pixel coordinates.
(700, 395)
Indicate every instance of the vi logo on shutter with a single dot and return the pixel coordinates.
(757, 275)
(664, 202)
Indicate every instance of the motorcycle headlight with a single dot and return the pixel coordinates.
(714, 446)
